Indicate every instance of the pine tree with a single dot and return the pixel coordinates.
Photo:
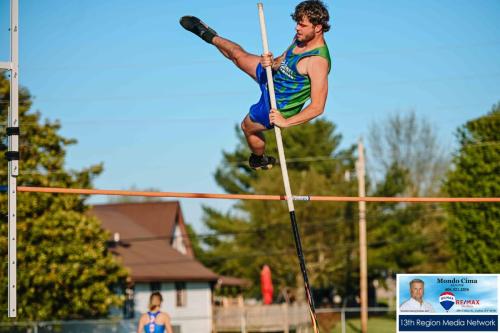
(404, 237)
(64, 270)
(255, 233)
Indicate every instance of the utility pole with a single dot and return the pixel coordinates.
(363, 267)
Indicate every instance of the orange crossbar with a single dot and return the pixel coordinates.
(245, 196)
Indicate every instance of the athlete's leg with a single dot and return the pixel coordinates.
(257, 143)
(245, 61)
(253, 134)
(248, 63)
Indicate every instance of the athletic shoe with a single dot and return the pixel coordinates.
(262, 162)
(198, 27)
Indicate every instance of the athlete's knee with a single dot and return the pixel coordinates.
(247, 127)
(244, 127)
(237, 53)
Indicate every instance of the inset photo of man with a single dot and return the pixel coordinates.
(416, 302)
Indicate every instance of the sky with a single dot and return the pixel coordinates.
(158, 106)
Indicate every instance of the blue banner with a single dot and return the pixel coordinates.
(447, 323)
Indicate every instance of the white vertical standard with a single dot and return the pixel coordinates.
(13, 155)
(284, 172)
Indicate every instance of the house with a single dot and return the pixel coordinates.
(152, 240)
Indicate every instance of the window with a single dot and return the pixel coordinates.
(180, 294)
(155, 286)
(128, 305)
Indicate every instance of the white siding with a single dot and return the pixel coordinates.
(178, 241)
(196, 316)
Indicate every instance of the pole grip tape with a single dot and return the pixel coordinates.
(12, 131)
(12, 155)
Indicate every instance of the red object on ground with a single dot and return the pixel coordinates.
(266, 285)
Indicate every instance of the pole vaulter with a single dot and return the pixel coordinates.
(284, 172)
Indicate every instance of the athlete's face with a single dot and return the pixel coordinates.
(417, 291)
(306, 30)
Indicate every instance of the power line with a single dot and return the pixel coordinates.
(318, 225)
(427, 80)
(137, 121)
(285, 252)
(194, 62)
(418, 50)
(156, 120)
(238, 93)
(244, 162)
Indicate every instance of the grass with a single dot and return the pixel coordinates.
(376, 325)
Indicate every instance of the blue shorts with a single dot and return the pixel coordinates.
(259, 112)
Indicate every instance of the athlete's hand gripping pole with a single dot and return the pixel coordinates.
(284, 172)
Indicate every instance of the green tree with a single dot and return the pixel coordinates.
(257, 232)
(413, 229)
(406, 159)
(64, 268)
(474, 228)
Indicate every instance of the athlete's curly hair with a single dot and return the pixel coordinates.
(315, 11)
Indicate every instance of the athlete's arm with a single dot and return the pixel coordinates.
(142, 322)
(267, 60)
(317, 70)
(277, 61)
(168, 325)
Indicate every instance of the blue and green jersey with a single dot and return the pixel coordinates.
(291, 88)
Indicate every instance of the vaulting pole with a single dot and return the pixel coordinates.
(286, 180)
